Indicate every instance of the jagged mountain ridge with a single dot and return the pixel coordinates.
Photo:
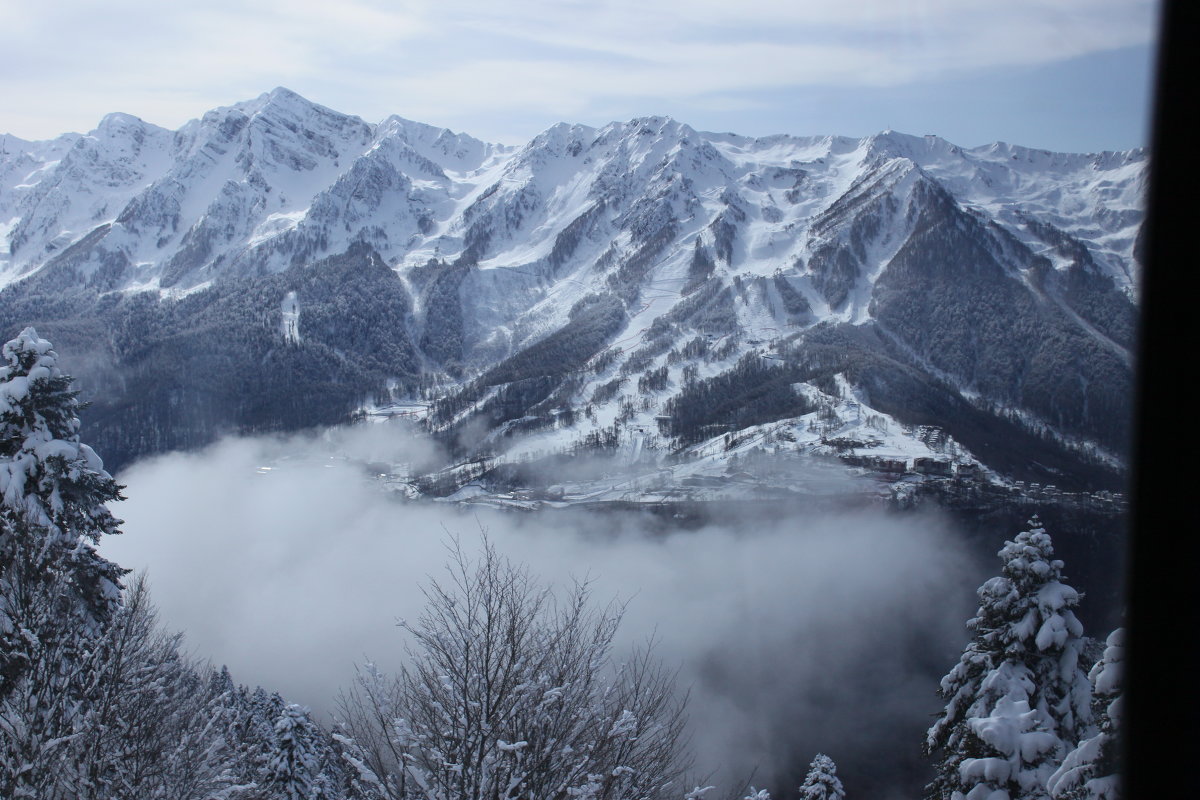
(999, 279)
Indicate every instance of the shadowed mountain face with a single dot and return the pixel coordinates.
(276, 265)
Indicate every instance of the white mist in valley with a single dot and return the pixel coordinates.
(825, 632)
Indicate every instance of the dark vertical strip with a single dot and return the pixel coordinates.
(1161, 687)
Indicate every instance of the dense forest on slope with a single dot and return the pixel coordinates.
(174, 375)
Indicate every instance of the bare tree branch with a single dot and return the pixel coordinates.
(511, 694)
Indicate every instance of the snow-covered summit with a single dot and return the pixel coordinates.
(1006, 276)
(260, 165)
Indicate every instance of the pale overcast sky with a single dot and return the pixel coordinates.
(1073, 75)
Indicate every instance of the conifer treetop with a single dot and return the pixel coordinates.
(53, 495)
(822, 782)
(1027, 607)
(1017, 700)
(48, 478)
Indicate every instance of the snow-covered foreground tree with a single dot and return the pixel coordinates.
(512, 694)
(56, 593)
(821, 782)
(1090, 771)
(1018, 699)
(53, 491)
(96, 701)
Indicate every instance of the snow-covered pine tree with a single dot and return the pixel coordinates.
(294, 769)
(1092, 770)
(821, 782)
(56, 593)
(1017, 699)
(53, 491)
(271, 750)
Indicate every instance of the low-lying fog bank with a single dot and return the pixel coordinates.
(795, 634)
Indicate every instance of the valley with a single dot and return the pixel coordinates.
(796, 391)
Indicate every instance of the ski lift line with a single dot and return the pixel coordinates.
(640, 335)
(558, 289)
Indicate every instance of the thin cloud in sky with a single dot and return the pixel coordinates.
(459, 63)
(916, 38)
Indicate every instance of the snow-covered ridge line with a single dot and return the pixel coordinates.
(202, 198)
(622, 271)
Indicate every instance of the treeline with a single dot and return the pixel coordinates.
(876, 364)
(756, 390)
(591, 323)
(539, 378)
(1083, 287)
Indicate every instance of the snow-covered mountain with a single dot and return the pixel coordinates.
(643, 285)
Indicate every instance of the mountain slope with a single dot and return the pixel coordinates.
(593, 285)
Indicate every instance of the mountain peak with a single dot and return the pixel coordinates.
(282, 100)
(894, 144)
(281, 96)
(458, 151)
(119, 119)
(119, 126)
(563, 135)
(284, 93)
(286, 153)
(662, 125)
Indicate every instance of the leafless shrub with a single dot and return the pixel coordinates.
(512, 693)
